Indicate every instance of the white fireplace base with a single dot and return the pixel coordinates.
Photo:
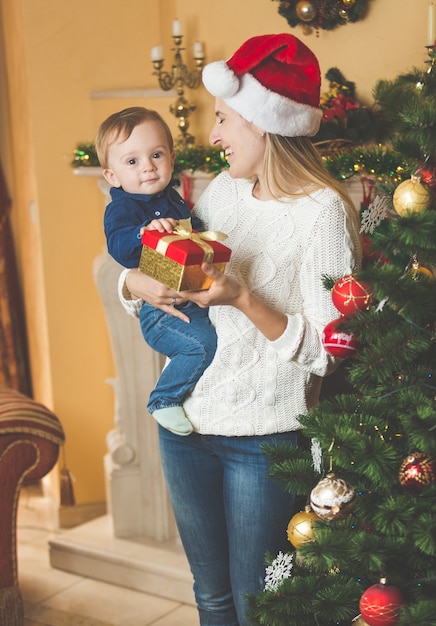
(91, 550)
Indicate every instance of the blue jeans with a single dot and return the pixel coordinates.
(229, 514)
(191, 348)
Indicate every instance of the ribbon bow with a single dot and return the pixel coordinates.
(184, 231)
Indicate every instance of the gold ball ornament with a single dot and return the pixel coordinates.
(359, 621)
(418, 271)
(305, 10)
(412, 196)
(332, 498)
(300, 528)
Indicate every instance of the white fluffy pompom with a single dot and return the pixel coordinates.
(219, 80)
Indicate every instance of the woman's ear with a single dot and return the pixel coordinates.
(111, 178)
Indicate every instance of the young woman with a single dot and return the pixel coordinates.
(288, 224)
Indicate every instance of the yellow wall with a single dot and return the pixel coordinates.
(56, 54)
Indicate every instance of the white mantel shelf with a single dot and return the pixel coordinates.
(109, 94)
(86, 170)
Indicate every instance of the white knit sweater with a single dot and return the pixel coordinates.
(280, 250)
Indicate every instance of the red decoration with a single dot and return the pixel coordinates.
(371, 254)
(337, 342)
(339, 106)
(428, 175)
(349, 294)
(417, 471)
(183, 250)
(380, 604)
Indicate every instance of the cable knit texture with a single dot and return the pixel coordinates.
(280, 250)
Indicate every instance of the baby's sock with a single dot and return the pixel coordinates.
(173, 419)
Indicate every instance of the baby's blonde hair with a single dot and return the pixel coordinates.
(120, 126)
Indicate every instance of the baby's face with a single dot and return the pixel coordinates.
(143, 163)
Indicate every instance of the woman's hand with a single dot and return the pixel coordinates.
(155, 293)
(225, 290)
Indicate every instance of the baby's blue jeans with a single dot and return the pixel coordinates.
(191, 348)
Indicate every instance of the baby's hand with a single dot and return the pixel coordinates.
(163, 225)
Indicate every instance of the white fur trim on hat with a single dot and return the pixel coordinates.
(220, 80)
(266, 109)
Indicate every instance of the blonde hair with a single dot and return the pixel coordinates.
(120, 126)
(294, 168)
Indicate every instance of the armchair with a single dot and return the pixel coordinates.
(30, 436)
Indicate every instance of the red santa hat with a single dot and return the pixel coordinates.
(273, 81)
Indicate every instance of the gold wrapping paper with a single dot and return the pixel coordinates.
(174, 275)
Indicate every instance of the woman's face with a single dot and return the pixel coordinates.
(242, 142)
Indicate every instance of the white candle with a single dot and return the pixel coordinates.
(157, 53)
(431, 25)
(198, 50)
(177, 28)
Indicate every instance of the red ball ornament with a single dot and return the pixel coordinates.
(417, 471)
(337, 342)
(380, 604)
(349, 294)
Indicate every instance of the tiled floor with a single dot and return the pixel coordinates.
(48, 592)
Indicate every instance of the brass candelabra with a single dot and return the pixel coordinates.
(431, 61)
(179, 78)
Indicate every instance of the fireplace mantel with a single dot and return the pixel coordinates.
(136, 544)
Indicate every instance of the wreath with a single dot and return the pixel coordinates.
(322, 14)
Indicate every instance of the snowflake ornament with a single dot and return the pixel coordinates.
(376, 212)
(279, 570)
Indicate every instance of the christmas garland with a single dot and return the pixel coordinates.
(383, 164)
(321, 14)
(208, 160)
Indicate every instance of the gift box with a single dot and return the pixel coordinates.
(175, 259)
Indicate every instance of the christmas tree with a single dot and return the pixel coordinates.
(362, 547)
